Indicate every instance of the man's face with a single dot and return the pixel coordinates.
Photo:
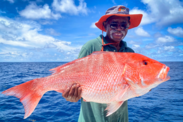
(117, 28)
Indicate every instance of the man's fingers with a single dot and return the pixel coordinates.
(72, 90)
(79, 92)
(76, 90)
(66, 92)
(73, 93)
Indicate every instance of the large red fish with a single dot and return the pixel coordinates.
(105, 77)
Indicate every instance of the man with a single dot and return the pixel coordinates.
(115, 23)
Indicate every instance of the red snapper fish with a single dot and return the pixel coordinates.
(105, 77)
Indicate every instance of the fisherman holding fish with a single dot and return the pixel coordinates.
(104, 80)
(115, 23)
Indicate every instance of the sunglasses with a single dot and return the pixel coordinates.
(123, 25)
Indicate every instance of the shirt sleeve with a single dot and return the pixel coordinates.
(83, 52)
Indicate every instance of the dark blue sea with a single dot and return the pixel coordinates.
(162, 104)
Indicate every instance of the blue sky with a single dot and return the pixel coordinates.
(55, 30)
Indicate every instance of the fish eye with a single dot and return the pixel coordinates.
(145, 62)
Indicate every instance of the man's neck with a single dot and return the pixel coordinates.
(116, 44)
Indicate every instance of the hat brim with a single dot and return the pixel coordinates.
(135, 20)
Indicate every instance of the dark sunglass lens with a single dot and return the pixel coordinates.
(124, 25)
(114, 26)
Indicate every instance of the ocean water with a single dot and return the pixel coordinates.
(162, 104)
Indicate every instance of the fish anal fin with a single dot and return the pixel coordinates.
(85, 100)
(113, 107)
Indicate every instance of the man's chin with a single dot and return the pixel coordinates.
(117, 39)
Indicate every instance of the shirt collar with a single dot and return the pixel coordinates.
(122, 43)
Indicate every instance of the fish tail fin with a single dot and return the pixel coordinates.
(28, 93)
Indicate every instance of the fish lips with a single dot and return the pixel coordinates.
(163, 74)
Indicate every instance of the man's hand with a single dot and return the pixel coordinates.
(73, 93)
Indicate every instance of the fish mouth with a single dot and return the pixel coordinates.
(162, 76)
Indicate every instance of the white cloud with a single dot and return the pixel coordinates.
(163, 12)
(46, 22)
(165, 39)
(141, 32)
(33, 11)
(157, 35)
(113, 1)
(136, 46)
(51, 31)
(176, 31)
(13, 43)
(63, 47)
(166, 12)
(68, 6)
(11, 1)
(146, 19)
(93, 25)
(2, 12)
(169, 48)
(13, 52)
(26, 35)
(39, 1)
(23, 41)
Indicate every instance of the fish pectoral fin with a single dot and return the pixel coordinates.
(120, 95)
(112, 107)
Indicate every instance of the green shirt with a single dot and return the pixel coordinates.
(95, 112)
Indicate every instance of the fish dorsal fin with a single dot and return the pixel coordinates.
(99, 52)
(59, 68)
